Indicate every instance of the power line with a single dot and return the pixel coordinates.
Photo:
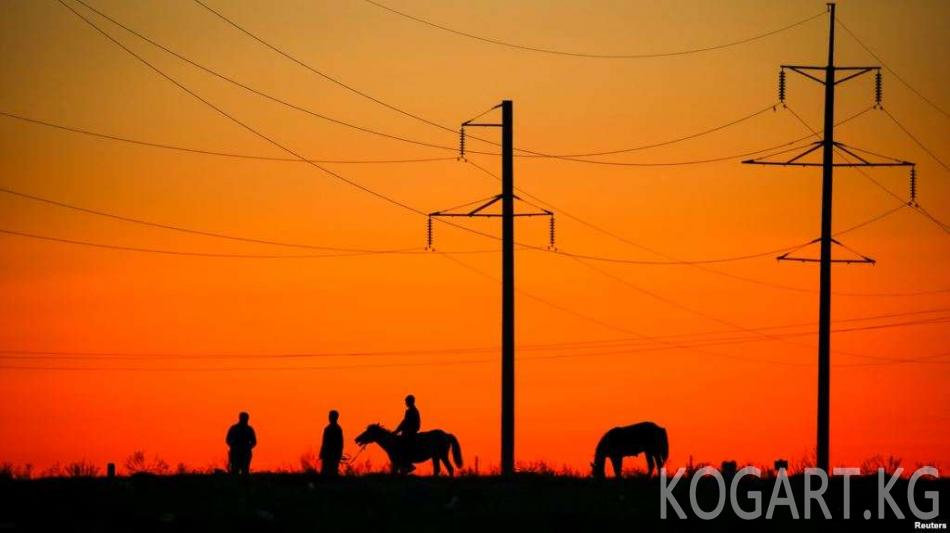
(296, 107)
(915, 139)
(711, 270)
(944, 225)
(235, 119)
(714, 318)
(202, 254)
(628, 346)
(669, 261)
(917, 208)
(691, 136)
(527, 152)
(324, 75)
(661, 340)
(263, 94)
(194, 231)
(932, 359)
(213, 152)
(584, 54)
(889, 69)
(202, 151)
(260, 134)
(696, 161)
(572, 345)
(292, 152)
(281, 146)
(843, 153)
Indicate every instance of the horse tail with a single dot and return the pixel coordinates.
(663, 445)
(456, 449)
(600, 456)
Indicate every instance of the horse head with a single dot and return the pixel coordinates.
(373, 433)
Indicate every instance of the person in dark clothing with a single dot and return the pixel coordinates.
(241, 440)
(409, 428)
(331, 450)
(411, 421)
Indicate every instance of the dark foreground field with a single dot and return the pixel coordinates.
(296, 502)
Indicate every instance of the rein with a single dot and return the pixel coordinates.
(349, 460)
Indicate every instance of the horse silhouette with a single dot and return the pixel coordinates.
(645, 437)
(434, 445)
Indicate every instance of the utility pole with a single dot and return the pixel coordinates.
(507, 199)
(824, 268)
(507, 291)
(828, 146)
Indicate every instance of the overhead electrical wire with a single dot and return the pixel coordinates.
(669, 344)
(263, 94)
(932, 359)
(915, 139)
(191, 231)
(710, 270)
(668, 260)
(714, 318)
(302, 158)
(701, 336)
(615, 349)
(591, 55)
(201, 254)
(234, 119)
(600, 322)
(528, 153)
(259, 133)
(213, 152)
(701, 161)
(691, 136)
(844, 154)
(336, 175)
(324, 75)
(889, 69)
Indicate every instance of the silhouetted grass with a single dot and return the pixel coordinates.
(376, 502)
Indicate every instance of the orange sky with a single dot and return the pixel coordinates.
(751, 401)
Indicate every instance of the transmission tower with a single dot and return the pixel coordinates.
(507, 215)
(828, 146)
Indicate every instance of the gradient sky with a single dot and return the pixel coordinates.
(752, 400)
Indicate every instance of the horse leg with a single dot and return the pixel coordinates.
(436, 470)
(448, 463)
(617, 462)
(649, 464)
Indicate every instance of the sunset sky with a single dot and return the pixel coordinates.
(106, 351)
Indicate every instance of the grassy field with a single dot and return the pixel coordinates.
(298, 502)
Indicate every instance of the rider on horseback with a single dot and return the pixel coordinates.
(408, 428)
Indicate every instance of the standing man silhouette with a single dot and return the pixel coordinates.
(241, 440)
(331, 450)
(409, 428)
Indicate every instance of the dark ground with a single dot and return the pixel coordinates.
(297, 502)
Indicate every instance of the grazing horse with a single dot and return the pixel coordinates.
(645, 437)
(426, 445)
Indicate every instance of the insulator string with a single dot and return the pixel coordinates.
(429, 234)
(913, 187)
(878, 89)
(781, 86)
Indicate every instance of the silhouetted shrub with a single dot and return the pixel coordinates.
(81, 468)
(138, 464)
